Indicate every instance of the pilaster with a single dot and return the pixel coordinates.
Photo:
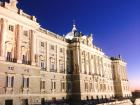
(65, 60)
(57, 59)
(48, 57)
(77, 59)
(33, 47)
(90, 70)
(95, 68)
(15, 42)
(19, 36)
(3, 38)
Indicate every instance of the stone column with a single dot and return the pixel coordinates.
(78, 59)
(15, 42)
(33, 47)
(65, 61)
(85, 59)
(95, 68)
(19, 35)
(57, 59)
(48, 57)
(125, 71)
(93, 65)
(89, 60)
(74, 61)
(3, 38)
(102, 66)
(0, 35)
(90, 66)
(99, 69)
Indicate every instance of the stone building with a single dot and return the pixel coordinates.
(37, 65)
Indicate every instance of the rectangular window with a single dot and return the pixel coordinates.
(25, 82)
(10, 81)
(25, 33)
(86, 86)
(42, 44)
(53, 85)
(9, 56)
(24, 59)
(52, 47)
(42, 65)
(61, 66)
(61, 50)
(52, 67)
(90, 86)
(62, 85)
(11, 28)
(42, 85)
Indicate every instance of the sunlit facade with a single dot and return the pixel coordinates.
(38, 65)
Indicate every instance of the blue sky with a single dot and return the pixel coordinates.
(114, 23)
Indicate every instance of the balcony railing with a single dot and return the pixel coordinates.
(62, 71)
(53, 70)
(43, 69)
(11, 60)
(26, 62)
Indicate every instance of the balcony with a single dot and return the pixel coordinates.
(62, 71)
(43, 69)
(9, 90)
(53, 70)
(26, 62)
(11, 60)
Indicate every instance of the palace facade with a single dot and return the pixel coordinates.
(37, 65)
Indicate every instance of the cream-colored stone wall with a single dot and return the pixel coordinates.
(120, 78)
(37, 63)
(124, 102)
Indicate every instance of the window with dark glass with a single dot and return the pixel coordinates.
(9, 81)
(52, 64)
(52, 47)
(9, 56)
(11, 28)
(90, 86)
(62, 85)
(53, 85)
(25, 82)
(25, 33)
(24, 59)
(61, 50)
(42, 84)
(42, 44)
(61, 66)
(86, 86)
(42, 65)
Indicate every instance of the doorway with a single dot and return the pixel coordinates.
(8, 102)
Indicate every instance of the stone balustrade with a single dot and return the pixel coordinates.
(124, 102)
